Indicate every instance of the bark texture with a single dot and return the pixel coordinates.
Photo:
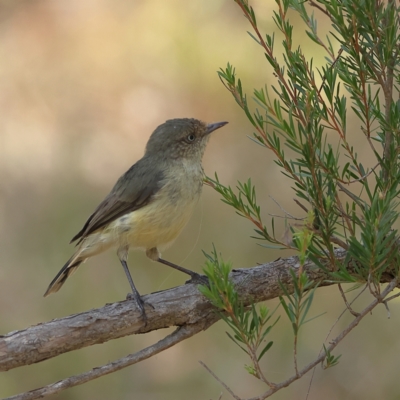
(180, 306)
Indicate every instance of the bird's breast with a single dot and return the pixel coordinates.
(159, 223)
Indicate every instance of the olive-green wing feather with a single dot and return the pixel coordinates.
(133, 190)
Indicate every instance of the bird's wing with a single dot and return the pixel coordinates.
(133, 190)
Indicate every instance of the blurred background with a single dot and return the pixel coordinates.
(82, 86)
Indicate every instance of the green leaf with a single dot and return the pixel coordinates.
(265, 349)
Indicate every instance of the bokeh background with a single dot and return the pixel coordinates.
(82, 86)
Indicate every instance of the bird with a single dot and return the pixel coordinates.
(149, 204)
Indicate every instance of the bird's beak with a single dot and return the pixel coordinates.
(214, 126)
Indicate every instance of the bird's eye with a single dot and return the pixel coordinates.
(190, 138)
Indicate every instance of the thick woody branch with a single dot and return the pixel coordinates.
(180, 306)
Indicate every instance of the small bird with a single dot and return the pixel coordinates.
(151, 202)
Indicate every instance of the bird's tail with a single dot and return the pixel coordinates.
(66, 271)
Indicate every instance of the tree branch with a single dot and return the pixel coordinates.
(177, 336)
(181, 306)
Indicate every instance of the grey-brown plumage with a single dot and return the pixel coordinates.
(151, 203)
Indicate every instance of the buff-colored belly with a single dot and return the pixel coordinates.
(157, 224)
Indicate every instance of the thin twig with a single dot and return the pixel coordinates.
(351, 195)
(175, 337)
(392, 297)
(345, 217)
(331, 67)
(286, 217)
(365, 176)
(388, 95)
(387, 308)
(284, 211)
(312, 4)
(356, 314)
(333, 345)
(372, 286)
(221, 382)
(339, 242)
(300, 205)
(329, 333)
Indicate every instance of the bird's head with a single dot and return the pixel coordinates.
(181, 138)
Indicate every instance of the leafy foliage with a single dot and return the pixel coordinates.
(249, 326)
(302, 118)
(308, 114)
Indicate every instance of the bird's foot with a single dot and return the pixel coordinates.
(198, 279)
(140, 304)
(194, 276)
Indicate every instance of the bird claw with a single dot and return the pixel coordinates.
(198, 279)
(140, 304)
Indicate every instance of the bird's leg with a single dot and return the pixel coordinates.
(154, 254)
(123, 257)
(193, 275)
